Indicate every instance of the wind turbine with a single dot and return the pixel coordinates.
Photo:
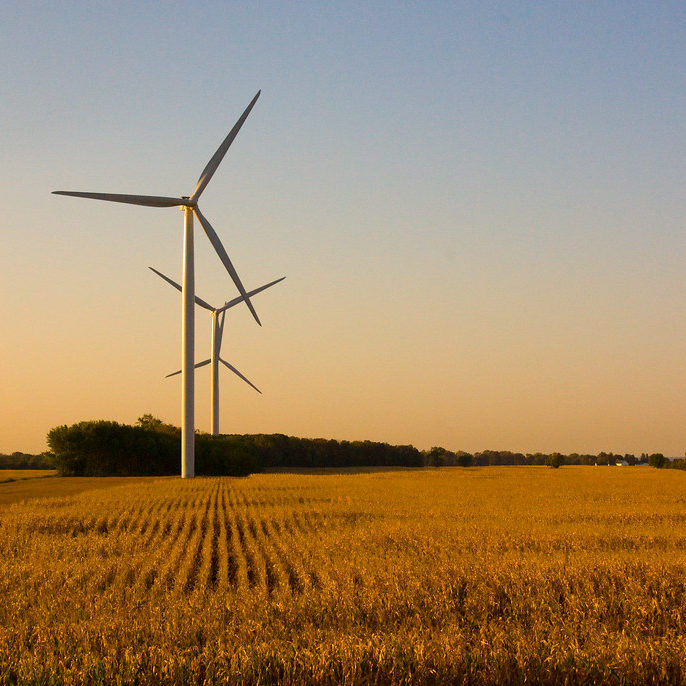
(189, 206)
(217, 315)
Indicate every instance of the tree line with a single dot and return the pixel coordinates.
(19, 460)
(151, 447)
(440, 457)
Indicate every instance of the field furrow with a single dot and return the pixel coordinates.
(255, 564)
(180, 539)
(207, 554)
(236, 561)
(192, 562)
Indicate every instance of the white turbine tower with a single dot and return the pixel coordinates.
(189, 206)
(217, 315)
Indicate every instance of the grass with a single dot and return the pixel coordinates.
(483, 575)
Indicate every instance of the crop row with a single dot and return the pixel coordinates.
(185, 540)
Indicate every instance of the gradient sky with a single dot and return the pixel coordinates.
(479, 208)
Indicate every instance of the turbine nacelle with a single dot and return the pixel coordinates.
(228, 304)
(217, 315)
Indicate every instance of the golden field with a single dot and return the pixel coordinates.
(483, 575)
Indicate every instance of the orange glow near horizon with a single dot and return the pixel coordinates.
(479, 211)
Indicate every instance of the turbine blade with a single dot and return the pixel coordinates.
(218, 156)
(167, 279)
(220, 331)
(147, 200)
(237, 373)
(200, 364)
(235, 301)
(214, 239)
(198, 301)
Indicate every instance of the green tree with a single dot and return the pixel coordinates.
(151, 423)
(657, 460)
(464, 459)
(555, 460)
(436, 457)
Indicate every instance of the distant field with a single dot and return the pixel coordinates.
(29, 487)
(18, 474)
(484, 575)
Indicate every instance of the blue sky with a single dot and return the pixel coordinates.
(479, 208)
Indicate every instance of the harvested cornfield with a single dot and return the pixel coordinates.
(484, 575)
